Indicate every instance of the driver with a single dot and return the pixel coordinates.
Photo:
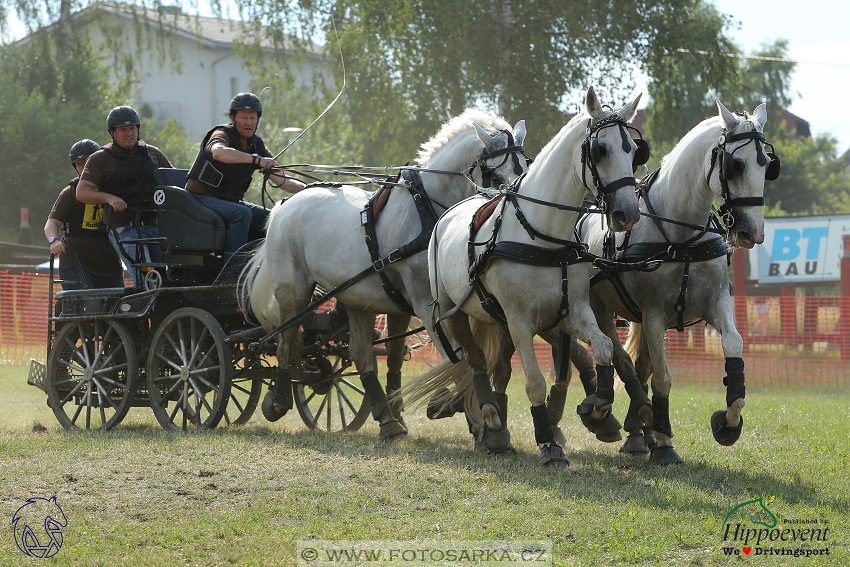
(120, 174)
(221, 173)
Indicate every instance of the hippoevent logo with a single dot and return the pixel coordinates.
(752, 529)
(37, 527)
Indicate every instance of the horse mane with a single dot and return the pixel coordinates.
(746, 123)
(457, 125)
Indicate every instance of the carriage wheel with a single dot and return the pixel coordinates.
(188, 371)
(91, 374)
(338, 403)
(244, 396)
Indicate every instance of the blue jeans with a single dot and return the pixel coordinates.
(150, 252)
(71, 280)
(239, 219)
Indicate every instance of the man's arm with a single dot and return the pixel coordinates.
(51, 230)
(87, 193)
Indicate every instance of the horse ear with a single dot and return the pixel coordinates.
(486, 138)
(728, 118)
(519, 133)
(629, 110)
(760, 114)
(592, 104)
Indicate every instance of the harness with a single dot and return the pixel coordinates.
(684, 252)
(428, 219)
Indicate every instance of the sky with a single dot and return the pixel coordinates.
(819, 39)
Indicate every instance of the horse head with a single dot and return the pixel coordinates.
(482, 146)
(610, 155)
(743, 164)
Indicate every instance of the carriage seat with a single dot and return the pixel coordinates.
(189, 226)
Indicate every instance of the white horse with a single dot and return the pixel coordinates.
(316, 237)
(535, 286)
(722, 157)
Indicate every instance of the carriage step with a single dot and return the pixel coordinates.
(36, 375)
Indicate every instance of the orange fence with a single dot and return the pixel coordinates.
(797, 341)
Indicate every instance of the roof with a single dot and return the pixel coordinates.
(214, 32)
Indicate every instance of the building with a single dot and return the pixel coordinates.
(210, 72)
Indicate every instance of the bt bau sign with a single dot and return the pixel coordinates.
(801, 249)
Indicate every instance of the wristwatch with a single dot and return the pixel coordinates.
(256, 159)
(51, 240)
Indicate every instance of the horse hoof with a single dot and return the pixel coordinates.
(392, 431)
(607, 429)
(559, 436)
(552, 455)
(435, 409)
(402, 423)
(634, 445)
(497, 442)
(724, 434)
(269, 411)
(664, 456)
(609, 437)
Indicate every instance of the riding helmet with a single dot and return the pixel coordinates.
(122, 116)
(82, 149)
(246, 101)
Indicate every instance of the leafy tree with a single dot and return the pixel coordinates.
(413, 64)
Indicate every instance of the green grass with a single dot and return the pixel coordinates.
(245, 496)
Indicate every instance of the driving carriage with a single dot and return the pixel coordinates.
(180, 344)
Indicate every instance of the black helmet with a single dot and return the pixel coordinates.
(246, 101)
(122, 116)
(82, 150)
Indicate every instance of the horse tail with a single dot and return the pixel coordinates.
(632, 345)
(254, 292)
(456, 378)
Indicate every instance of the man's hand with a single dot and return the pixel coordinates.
(117, 203)
(58, 247)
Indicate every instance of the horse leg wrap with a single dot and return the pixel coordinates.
(498, 442)
(661, 416)
(607, 428)
(734, 380)
(377, 396)
(278, 400)
(604, 384)
(542, 428)
(483, 388)
(588, 380)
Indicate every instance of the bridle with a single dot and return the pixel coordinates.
(592, 153)
(726, 170)
(510, 152)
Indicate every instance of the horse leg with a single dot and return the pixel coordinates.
(396, 325)
(653, 334)
(551, 454)
(635, 443)
(595, 410)
(501, 378)
(458, 326)
(726, 425)
(362, 325)
(640, 408)
(561, 344)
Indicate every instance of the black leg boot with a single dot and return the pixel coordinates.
(277, 403)
(391, 429)
(551, 453)
(393, 395)
(665, 455)
(735, 389)
(606, 428)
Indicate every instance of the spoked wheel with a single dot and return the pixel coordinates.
(337, 403)
(245, 392)
(91, 374)
(188, 371)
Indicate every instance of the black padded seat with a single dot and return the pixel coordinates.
(189, 226)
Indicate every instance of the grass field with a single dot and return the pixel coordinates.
(246, 496)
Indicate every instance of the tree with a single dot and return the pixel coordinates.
(413, 64)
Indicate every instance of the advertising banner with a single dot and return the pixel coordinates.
(800, 249)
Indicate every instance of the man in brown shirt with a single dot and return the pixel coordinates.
(221, 173)
(85, 233)
(120, 175)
